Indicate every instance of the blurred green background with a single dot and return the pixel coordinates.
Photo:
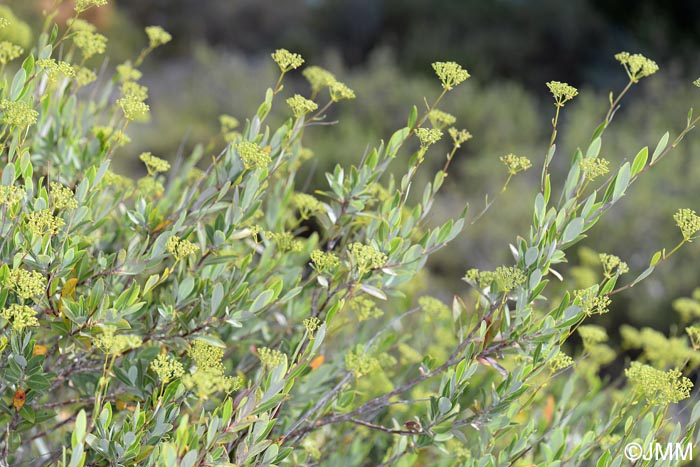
(218, 62)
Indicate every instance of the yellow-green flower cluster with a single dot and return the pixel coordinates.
(307, 205)
(592, 334)
(560, 361)
(433, 306)
(43, 222)
(287, 60)
(82, 5)
(428, 136)
(482, 278)
(612, 264)
(208, 376)
(364, 308)
(312, 325)
(318, 78)
(9, 52)
(167, 368)
(56, 69)
(157, 36)
(180, 248)
(450, 73)
(340, 91)
(84, 76)
(127, 72)
(694, 335)
(79, 24)
(509, 277)
(360, 363)
(90, 43)
(106, 134)
(594, 167)
(516, 164)
(637, 66)
(562, 92)
(62, 197)
(696, 83)
(118, 182)
(154, 164)
(18, 114)
(271, 358)
(324, 261)
(459, 136)
(19, 316)
(659, 350)
(112, 343)
(11, 195)
(440, 119)
(301, 106)
(149, 187)
(658, 387)
(132, 101)
(252, 155)
(228, 126)
(366, 257)
(285, 241)
(688, 307)
(688, 221)
(590, 302)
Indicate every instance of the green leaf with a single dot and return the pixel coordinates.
(640, 161)
(621, 182)
(412, 117)
(594, 148)
(663, 142)
(261, 301)
(444, 405)
(18, 84)
(572, 230)
(373, 291)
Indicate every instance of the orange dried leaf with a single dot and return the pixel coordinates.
(317, 362)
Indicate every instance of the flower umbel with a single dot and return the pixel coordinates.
(154, 164)
(157, 36)
(301, 106)
(562, 92)
(324, 261)
(366, 257)
(180, 248)
(287, 60)
(612, 264)
(594, 167)
(428, 136)
(9, 52)
(516, 164)
(339, 91)
(689, 223)
(43, 222)
(19, 316)
(271, 358)
(658, 387)
(18, 113)
(62, 196)
(637, 66)
(318, 78)
(459, 136)
(560, 361)
(167, 368)
(450, 73)
(440, 119)
(253, 156)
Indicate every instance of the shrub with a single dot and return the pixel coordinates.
(210, 313)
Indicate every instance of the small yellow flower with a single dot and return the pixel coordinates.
(56, 70)
(364, 307)
(590, 302)
(450, 73)
(62, 196)
(440, 119)
(307, 205)
(18, 114)
(324, 261)
(82, 5)
(127, 72)
(9, 52)
(301, 106)
(360, 363)
(612, 264)
(154, 164)
(318, 78)
(637, 66)
(594, 167)
(26, 284)
(339, 91)
(658, 387)
(180, 248)
(90, 43)
(689, 223)
(459, 136)
(19, 316)
(509, 277)
(562, 92)
(11, 195)
(252, 155)
(112, 343)
(428, 136)
(592, 334)
(312, 325)
(84, 76)
(157, 36)
(167, 368)
(433, 306)
(515, 164)
(366, 257)
(285, 241)
(43, 222)
(287, 60)
(271, 358)
(559, 362)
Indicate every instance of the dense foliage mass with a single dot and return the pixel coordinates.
(213, 313)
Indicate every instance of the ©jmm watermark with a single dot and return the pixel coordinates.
(659, 451)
